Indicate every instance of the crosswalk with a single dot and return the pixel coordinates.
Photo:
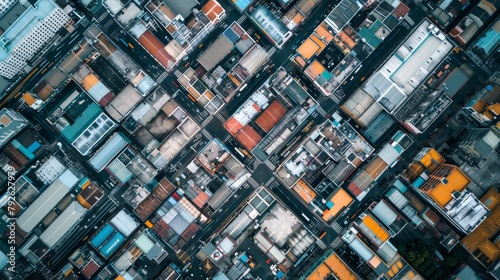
(320, 244)
(226, 138)
(337, 227)
(321, 111)
(334, 98)
(272, 183)
(253, 183)
(206, 121)
(409, 20)
(322, 98)
(256, 163)
(220, 117)
(269, 164)
(271, 51)
(162, 77)
(250, 31)
(241, 19)
(206, 134)
(102, 17)
(177, 73)
(318, 226)
(336, 243)
(46, 273)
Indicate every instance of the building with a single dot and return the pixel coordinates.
(482, 242)
(276, 31)
(484, 107)
(5, 5)
(29, 34)
(477, 143)
(90, 193)
(471, 23)
(466, 211)
(187, 36)
(370, 241)
(444, 187)
(342, 14)
(441, 185)
(89, 129)
(64, 222)
(108, 151)
(407, 68)
(11, 124)
(32, 216)
(329, 266)
(388, 155)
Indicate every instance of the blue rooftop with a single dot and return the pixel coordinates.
(71, 132)
(16, 32)
(242, 4)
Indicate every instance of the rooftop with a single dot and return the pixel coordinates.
(182, 8)
(466, 211)
(271, 26)
(23, 25)
(329, 264)
(418, 55)
(444, 182)
(62, 224)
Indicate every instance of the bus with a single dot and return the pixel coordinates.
(305, 217)
(243, 87)
(191, 98)
(123, 41)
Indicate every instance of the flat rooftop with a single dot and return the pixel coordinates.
(182, 8)
(23, 25)
(408, 66)
(270, 24)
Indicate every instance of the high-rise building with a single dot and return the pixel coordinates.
(11, 123)
(28, 34)
(5, 5)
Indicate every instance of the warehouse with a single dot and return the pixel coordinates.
(30, 218)
(62, 224)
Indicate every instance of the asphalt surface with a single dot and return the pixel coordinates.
(51, 58)
(261, 173)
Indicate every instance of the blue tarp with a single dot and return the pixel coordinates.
(33, 147)
(400, 186)
(418, 182)
(244, 258)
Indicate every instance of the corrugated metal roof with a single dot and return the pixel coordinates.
(46, 201)
(71, 132)
(215, 53)
(62, 224)
(108, 151)
(144, 243)
(384, 213)
(361, 249)
(124, 223)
